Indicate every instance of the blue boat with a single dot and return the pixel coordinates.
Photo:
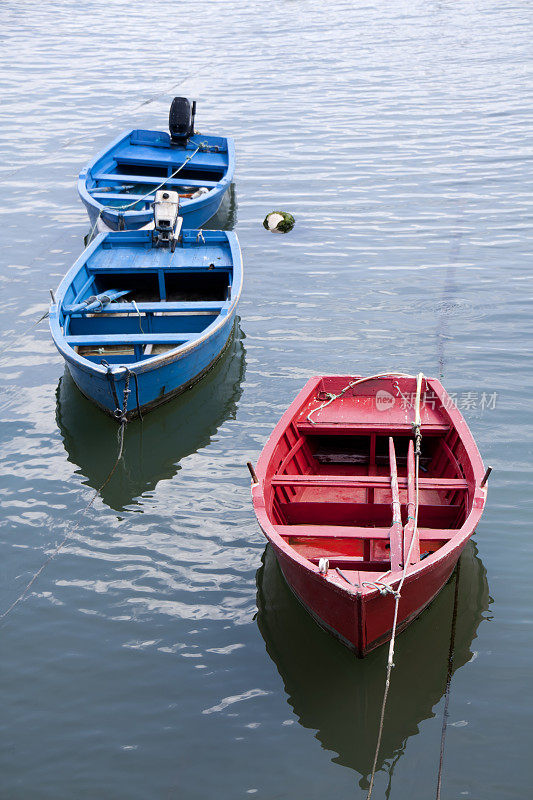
(118, 186)
(143, 315)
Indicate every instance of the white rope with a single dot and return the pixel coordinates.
(91, 232)
(129, 205)
(136, 307)
(157, 188)
(201, 146)
(397, 596)
(333, 397)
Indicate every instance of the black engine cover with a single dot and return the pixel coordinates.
(181, 119)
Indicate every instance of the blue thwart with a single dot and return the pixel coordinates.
(118, 186)
(132, 313)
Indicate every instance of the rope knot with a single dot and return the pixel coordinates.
(418, 437)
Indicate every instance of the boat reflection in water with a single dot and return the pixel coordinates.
(152, 448)
(339, 695)
(226, 217)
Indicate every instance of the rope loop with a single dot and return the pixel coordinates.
(204, 146)
(325, 396)
(345, 578)
(331, 397)
(383, 588)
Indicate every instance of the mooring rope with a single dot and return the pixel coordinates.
(130, 374)
(451, 654)
(71, 531)
(397, 596)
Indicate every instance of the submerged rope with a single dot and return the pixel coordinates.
(70, 533)
(397, 596)
(451, 654)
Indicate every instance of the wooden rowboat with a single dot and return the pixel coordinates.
(336, 495)
(147, 313)
(118, 185)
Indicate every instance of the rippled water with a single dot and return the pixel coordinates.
(160, 654)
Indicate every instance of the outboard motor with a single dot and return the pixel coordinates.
(181, 120)
(167, 223)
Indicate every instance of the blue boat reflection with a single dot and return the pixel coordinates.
(154, 448)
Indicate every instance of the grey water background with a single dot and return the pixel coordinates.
(160, 654)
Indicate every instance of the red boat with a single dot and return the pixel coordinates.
(352, 513)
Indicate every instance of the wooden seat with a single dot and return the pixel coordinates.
(145, 156)
(148, 179)
(110, 267)
(191, 307)
(353, 532)
(103, 339)
(324, 513)
(364, 482)
(431, 428)
(354, 563)
(98, 194)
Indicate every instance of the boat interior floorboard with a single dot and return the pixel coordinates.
(349, 496)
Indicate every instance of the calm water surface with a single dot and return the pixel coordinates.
(160, 655)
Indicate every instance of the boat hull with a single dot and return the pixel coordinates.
(177, 323)
(194, 213)
(338, 496)
(157, 384)
(362, 624)
(155, 161)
